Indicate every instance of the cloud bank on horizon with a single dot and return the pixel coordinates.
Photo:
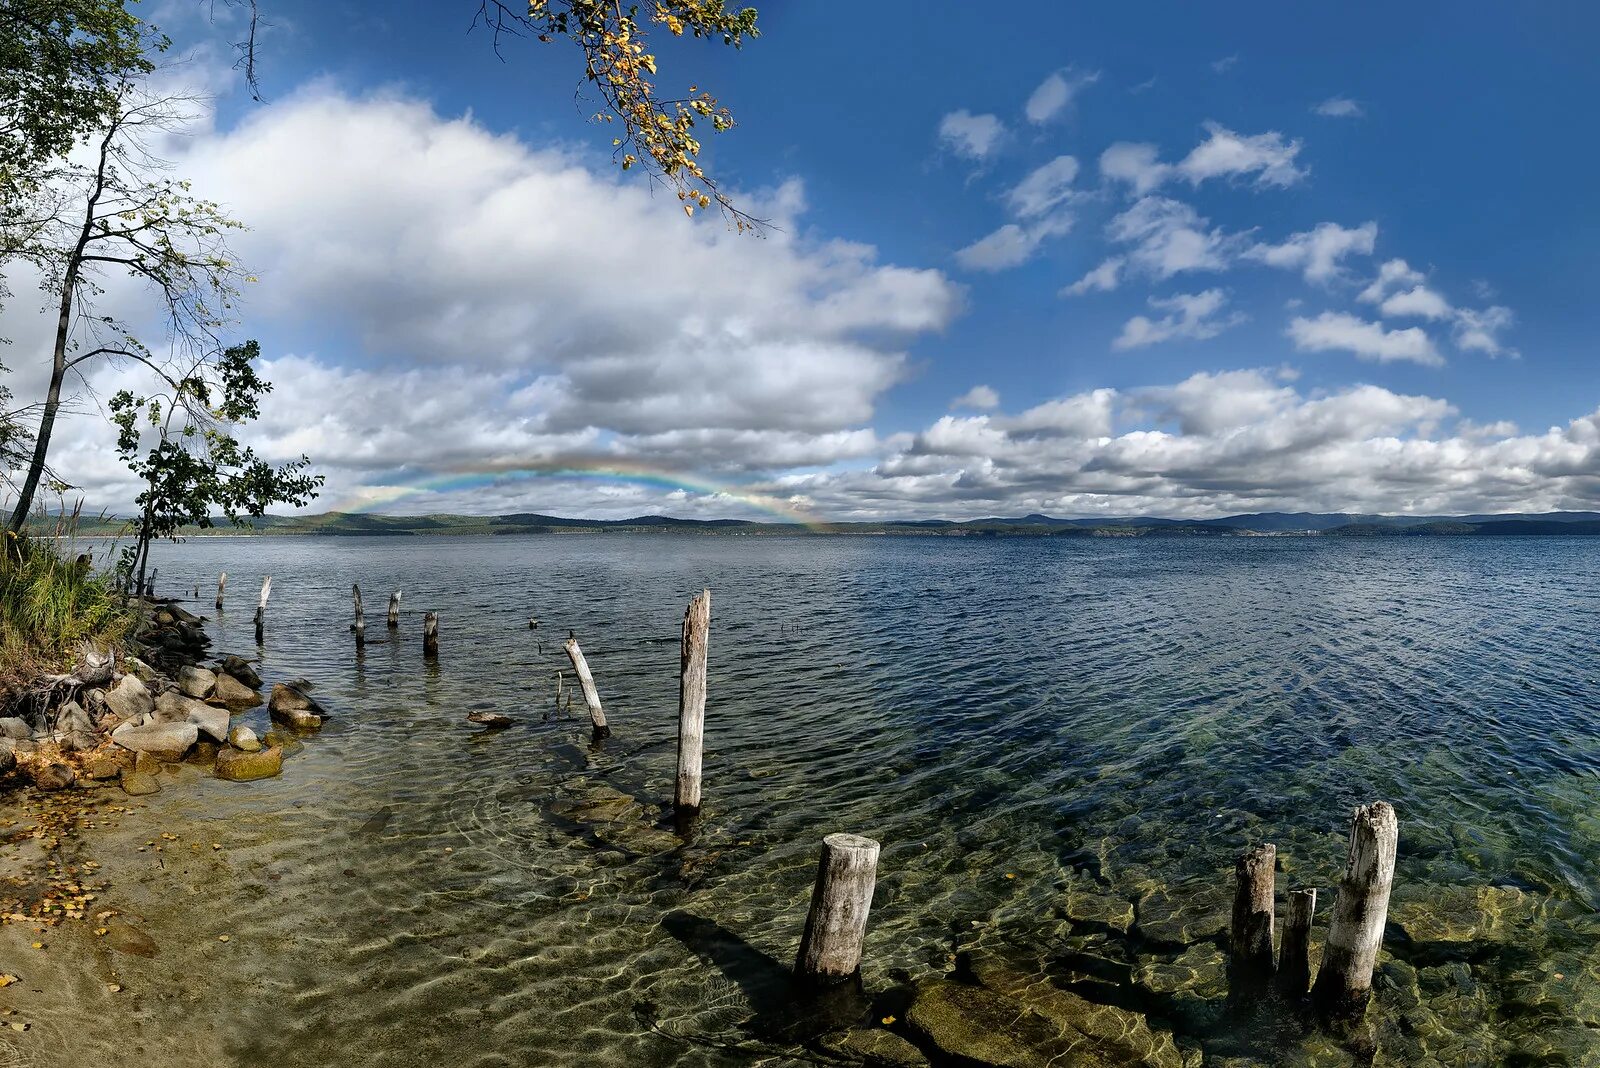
(456, 298)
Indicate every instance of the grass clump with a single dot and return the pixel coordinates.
(51, 601)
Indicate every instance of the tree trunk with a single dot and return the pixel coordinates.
(1355, 930)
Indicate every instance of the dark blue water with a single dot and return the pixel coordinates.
(1050, 738)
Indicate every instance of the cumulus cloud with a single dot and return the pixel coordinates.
(1044, 188)
(1402, 292)
(1167, 237)
(1339, 107)
(1479, 331)
(1225, 154)
(1417, 301)
(980, 398)
(1341, 331)
(1056, 93)
(1197, 316)
(976, 137)
(1102, 279)
(1317, 252)
(1012, 244)
(1138, 165)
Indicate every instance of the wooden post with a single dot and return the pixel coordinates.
(692, 703)
(430, 635)
(222, 584)
(150, 584)
(830, 948)
(1294, 952)
(261, 608)
(591, 696)
(1250, 936)
(361, 618)
(394, 610)
(1360, 908)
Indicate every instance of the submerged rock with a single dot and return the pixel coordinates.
(492, 720)
(140, 784)
(873, 1046)
(297, 719)
(53, 777)
(124, 937)
(196, 682)
(166, 741)
(234, 695)
(292, 707)
(1464, 914)
(106, 765)
(237, 766)
(1180, 916)
(973, 1025)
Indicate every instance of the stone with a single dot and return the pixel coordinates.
(12, 727)
(79, 742)
(53, 776)
(492, 720)
(183, 615)
(140, 784)
(1119, 1035)
(1465, 914)
(873, 1046)
(204, 754)
(1179, 916)
(1091, 908)
(144, 672)
(239, 668)
(297, 718)
(104, 765)
(196, 682)
(600, 805)
(237, 766)
(8, 761)
(146, 763)
(234, 695)
(129, 699)
(973, 1025)
(244, 739)
(71, 717)
(124, 937)
(212, 722)
(17, 745)
(165, 741)
(286, 698)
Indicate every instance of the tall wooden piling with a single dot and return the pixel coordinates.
(1250, 934)
(261, 609)
(1355, 930)
(222, 584)
(360, 625)
(150, 584)
(394, 610)
(1294, 950)
(591, 696)
(830, 947)
(430, 635)
(692, 703)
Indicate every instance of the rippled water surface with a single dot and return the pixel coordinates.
(1020, 722)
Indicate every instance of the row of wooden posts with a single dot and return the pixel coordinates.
(841, 897)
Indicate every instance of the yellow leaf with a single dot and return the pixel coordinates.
(688, 209)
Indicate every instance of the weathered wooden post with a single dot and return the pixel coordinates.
(1294, 950)
(150, 586)
(692, 703)
(360, 626)
(1250, 934)
(222, 584)
(591, 696)
(1360, 908)
(430, 635)
(261, 608)
(830, 948)
(394, 610)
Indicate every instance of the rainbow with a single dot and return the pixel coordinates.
(784, 510)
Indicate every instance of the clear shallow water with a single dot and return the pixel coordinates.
(1022, 723)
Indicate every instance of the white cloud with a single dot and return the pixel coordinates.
(975, 137)
(1044, 187)
(1393, 274)
(1103, 279)
(981, 398)
(1225, 64)
(1056, 93)
(1419, 301)
(1339, 107)
(1189, 315)
(1138, 165)
(1011, 244)
(1479, 331)
(1225, 154)
(1369, 341)
(1317, 252)
(1168, 237)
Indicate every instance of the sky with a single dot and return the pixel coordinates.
(1162, 259)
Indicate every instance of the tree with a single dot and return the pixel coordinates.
(62, 65)
(656, 133)
(195, 467)
(114, 209)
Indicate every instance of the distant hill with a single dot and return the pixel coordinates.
(1260, 524)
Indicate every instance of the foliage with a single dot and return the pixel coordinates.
(49, 604)
(657, 133)
(111, 209)
(196, 467)
(62, 63)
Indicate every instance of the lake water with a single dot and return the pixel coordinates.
(1037, 730)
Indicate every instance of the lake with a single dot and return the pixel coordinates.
(1050, 737)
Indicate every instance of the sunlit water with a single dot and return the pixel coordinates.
(1017, 720)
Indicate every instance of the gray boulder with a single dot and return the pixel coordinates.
(165, 741)
(12, 727)
(197, 682)
(129, 699)
(212, 722)
(234, 695)
(71, 718)
(240, 668)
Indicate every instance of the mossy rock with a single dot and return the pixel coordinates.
(1179, 916)
(973, 1025)
(237, 766)
(872, 1046)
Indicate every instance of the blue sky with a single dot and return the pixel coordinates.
(1199, 261)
